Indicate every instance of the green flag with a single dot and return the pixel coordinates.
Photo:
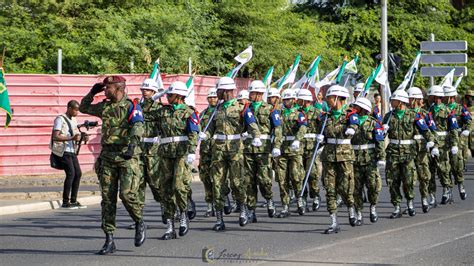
(4, 101)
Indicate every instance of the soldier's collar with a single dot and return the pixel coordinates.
(179, 106)
(228, 103)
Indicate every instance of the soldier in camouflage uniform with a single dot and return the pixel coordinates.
(227, 156)
(257, 160)
(464, 122)
(368, 144)
(401, 125)
(467, 101)
(118, 167)
(305, 100)
(290, 163)
(338, 156)
(446, 137)
(178, 125)
(422, 147)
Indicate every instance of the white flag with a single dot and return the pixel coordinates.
(382, 76)
(245, 56)
(448, 79)
(351, 67)
(328, 79)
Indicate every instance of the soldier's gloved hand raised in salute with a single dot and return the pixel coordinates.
(129, 153)
(98, 87)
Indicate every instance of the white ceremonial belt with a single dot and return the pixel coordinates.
(265, 137)
(151, 140)
(338, 141)
(401, 141)
(173, 139)
(363, 147)
(441, 133)
(289, 138)
(418, 137)
(310, 136)
(226, 137)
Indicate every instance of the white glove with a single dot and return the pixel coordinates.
(385, 128)
(319, 151)
(295, 145)
(191, 158)
(202, 136)
(435, 152)
(465, 133)
(276, 152)
(245, 135)
(256, 142)
(350, 131)
(454, 150)
(381, 164)
(320, 138)
(429, 145)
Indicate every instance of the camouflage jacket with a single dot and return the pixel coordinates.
(179, 127)
(294, 126)
(313, 116)
(337, 145)
(368, 141)
(205, 146)
(122, 124)
(446, 126)
(268, 121)
(149, 145)
(227, 126)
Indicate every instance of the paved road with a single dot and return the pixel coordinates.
(60, 237)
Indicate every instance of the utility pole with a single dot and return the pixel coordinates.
(60, 61)
(384, 47)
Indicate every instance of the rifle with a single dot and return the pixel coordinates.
(88, 125)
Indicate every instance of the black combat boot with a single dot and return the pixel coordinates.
(271, 208)
(411, 208)
(301, 206)
(252, 216)
(352, 216)
(396, 213)
(219, 226)
(191, 209)
(285, 212)
(334, 227)
(359, 218)
(170, 232)
(425, 206)
(109, 245)
(140, 233)
(373, 214)
(227, 206)
(243, 218)
(462, 191)
(183, 224)
(445, 197)
(316, 203)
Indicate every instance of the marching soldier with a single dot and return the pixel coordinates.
(290, 163)
(178, 125)
(401, 125)
(227, 150)
(243, 97)
(368, 144)
(118, 163)
(464, 122)
(338, 156)
(257, 160)
(357, 90)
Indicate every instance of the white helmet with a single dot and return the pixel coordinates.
(274, 92)
(179, 88)
(288, 94)
(415, 93)
(436, 91)
(305, 95)
(149, 84)
(400, 95)
(212, 93)
(257, 86)
(364, 103)
(359, 87)
(450, 91)
(337, 90)
(243, 94)
(226, 83)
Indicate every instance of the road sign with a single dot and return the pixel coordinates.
(443, 46)
(442, 71)
(444, 58)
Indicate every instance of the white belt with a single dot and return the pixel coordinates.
(173, 139)
(151, 140)
(363, 146)
(441, 133)
(289, 138)
(418, 137)
(338, 141)
(265, 137)
(401, 141)
(226, 137)
(310, 136)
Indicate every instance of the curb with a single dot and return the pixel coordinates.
(44, 205)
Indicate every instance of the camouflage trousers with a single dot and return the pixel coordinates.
(400, 173)
(423, 174)
(313, 181)
(150, 176)
(289, 171)
(205, 175)
(338, 178)
(458, 161)
(227, 166)
(175, 180)
(366, 175)
(441, 167)
(257, 173)
(123, 175)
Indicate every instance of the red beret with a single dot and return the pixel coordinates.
(114, 79)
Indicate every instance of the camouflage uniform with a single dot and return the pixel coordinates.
(464, 122)
(117, 133)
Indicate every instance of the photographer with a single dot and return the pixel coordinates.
(64, 136)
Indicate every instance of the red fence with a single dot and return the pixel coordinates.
(37, 99)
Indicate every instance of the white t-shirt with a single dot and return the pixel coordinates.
(58, 123)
